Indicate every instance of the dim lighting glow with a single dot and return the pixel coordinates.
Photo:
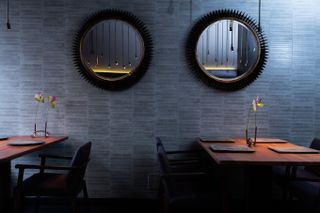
(220, 68)
(101, 70)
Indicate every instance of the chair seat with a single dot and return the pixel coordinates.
(46, 184)
(280, 178)
(307, 190)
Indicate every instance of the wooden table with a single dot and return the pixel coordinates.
(8, 153)
(262, 156)
(258, 168)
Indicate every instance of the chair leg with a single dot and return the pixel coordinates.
(74, 204)
(85, 190)
(36, 210)
(85, 195)
(17, 201)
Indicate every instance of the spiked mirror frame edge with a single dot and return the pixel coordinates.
(138, 73)
(191, 45)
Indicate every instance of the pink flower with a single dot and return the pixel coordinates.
(52, 101)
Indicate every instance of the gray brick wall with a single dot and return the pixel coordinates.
(168, 102)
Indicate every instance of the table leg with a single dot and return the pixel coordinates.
(222, 180)
(5, 186)
(258, 187)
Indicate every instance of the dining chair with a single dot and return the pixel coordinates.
(284, 175)
(184, 191)
(66, 184)
(182, 160)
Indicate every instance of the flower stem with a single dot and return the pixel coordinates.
(248, 120)
(255, 119)
(47, 113)
(35, 119)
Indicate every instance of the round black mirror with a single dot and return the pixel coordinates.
(113, 49)
(226, 49)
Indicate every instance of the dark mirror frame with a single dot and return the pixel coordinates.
(139, 70)
(201, 25)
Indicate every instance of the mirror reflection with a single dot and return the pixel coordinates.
(112, 49)
(227, 50)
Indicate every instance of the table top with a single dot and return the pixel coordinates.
(8, 152)
(262, 155)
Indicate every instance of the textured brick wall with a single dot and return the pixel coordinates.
(168, 102)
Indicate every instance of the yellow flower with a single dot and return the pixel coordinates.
(257, 102)
(39, 97)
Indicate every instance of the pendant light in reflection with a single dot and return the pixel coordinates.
(247, 49)
(90, 47)
(217, 43)
(227, 42)
(129, 63)
(123, 60)
(221, 58)
(208, 44)
(135, 47)
(232, 35)
(202, 49)
(115, 43)
(102, 43)
(96, 47)
(8, 20)
(240, 33)
(109, 45)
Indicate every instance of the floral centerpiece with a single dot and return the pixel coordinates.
(52, 102)
(40, 99)
(256, 103)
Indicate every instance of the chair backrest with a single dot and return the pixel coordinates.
(315, 144)
(79, 159)
(159, 143)
(162, 157)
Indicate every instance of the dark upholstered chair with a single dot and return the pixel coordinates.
(299, 180)
(184, 191)
(69, 183)
(304, 184)
(183, 160)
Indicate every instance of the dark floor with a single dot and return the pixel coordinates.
(139, 205)
(109, 205)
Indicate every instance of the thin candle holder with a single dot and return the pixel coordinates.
(257, 102)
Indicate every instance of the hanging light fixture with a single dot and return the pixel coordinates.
(259, 26)
(202, 49)
(247, 49)
(217, 43)
(221, 58)
(90, 47)
(227, 42)
(102, 43)
(96, 48)
(115, 43)
(240, 31)
(109, 45)
(8, 20)
(230, 26)
(232, 33)
(123, 61)
(208, 41)
(135, 47)
(190, 11)
(129, 47)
